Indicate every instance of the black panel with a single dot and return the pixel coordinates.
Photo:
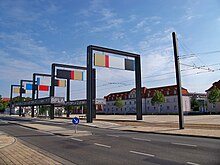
(129, 64)
(65, 74)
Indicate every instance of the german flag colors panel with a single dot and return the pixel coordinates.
(114, 62)
(70, 74)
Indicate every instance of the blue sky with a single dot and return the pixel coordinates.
(36, 33)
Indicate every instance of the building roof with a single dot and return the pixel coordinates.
(217, 84)
(6, 99)
(149, 92)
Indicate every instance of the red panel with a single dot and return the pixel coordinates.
(107, 61)
(43, 88)
(72, 75)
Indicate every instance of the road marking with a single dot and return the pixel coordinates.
(183, 144)
(102, 145)
(112, 135)
(79, 140)
(192, 163)
(147, 140)
(141, 153)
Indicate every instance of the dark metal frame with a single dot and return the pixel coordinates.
(12, 86)
(21, 87)
(90, 76)
(34, 89)
(53, 70)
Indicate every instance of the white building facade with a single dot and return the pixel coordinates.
(129, 98)
(213, 107)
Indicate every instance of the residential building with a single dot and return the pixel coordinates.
(213, 108)
(202, 99)
(6, 99)
(129, 98)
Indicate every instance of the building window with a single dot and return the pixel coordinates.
(125, 102)
(148, 95)
(130, 102)
(168, 107)
(213, 105)
(175, 107)
(174, 99)
(154, 108)
(174, 92)
(167, 100)
(148, 108)
(134, 102)
(168, 93)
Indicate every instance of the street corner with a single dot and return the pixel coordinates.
(6, 140)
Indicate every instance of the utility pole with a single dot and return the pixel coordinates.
(178, 81)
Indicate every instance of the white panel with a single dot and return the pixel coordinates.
(116, 62)
(45, 81)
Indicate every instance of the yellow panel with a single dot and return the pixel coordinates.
(78, 75)
(62, 83)
(99, 59)
(16, 90)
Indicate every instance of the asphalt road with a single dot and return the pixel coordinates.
(107, 146)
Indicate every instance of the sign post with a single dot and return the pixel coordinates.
(75, 121)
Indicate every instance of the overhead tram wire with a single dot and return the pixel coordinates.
(200, 53)
(159, 75)
(184, 75)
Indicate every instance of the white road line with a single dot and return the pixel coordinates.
(147, 140)
(183, 144)
(112, 135)
(192, 163)
(79, 140)
(141, 153)
(102, 145)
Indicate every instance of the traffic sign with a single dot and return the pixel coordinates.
(75, 120)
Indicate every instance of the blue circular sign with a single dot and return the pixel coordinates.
(75, 120)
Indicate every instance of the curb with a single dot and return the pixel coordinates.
(172, 134)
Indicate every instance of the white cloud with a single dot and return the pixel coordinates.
(145, 24)
(118, 35)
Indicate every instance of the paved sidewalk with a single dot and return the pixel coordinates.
(13, 152)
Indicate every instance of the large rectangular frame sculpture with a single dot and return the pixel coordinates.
(11, 97)
(91, 87)
(21, 87)
(34, 88)
(54, 65)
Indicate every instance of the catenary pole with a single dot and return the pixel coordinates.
(178, 81)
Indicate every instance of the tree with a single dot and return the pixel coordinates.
(3, 105)
(214, 95)
(158, 99)
(119, 103)
(195, 104)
